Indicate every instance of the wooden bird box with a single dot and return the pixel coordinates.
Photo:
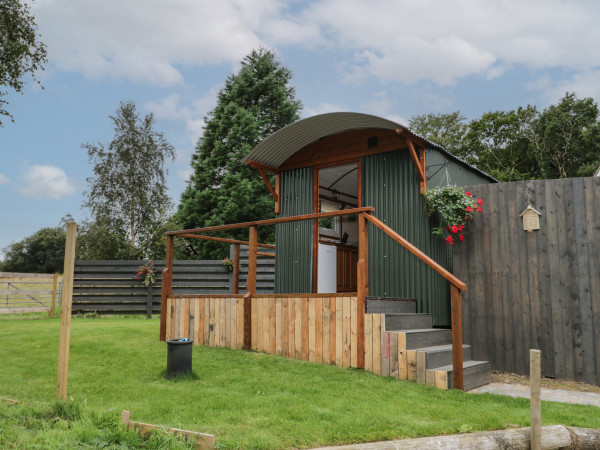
(531, 219)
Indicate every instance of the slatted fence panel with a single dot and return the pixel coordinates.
(538, 289)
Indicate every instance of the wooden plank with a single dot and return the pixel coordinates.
(254, 322)
(394, 368)
(354, 332)
(318, 329)
(278, 331)
(311, 330)
(535, 400)
(207, 321)
(402, 363)
(531, 321)
(326, 332)
(421, 367)
(347, 330)
(54, 292)
(298, 328)
(339, 332)
(169, 319)
(186, 318)
(25, 310)
(199, 440)
(231, 332)
(272, 325)
(65, 314)
(292, 324)
(252, 258)
(259, 302)
(513, 303)
(235, 279)
(248, 308)
(25, 293)
(457, 342)
(377, 320)
(385, 350)
(441, 379)
(411, 365)
(305, 329)
(592, 202)
(195, 317)
(369, 342)
(223, 319)
(285, 327)
(332, 332)
(362, 287)
(213, 322)
(239, 323)
(199, 311)
(266, 332)
(315, 232)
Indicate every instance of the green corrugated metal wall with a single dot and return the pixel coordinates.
(391, 186)
(435, 169)
(293, 263)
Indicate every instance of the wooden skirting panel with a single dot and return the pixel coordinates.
(319, 329)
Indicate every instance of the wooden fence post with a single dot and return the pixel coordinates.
(457, 344)
(535, 399)
(235, 282)
(166, 287)
(362, 287)
(54, 290)
(149, 301)
(252, 260)
(65, 313)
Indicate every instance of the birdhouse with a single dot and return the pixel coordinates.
(531, 219)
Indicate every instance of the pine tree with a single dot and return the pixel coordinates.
(255, 102)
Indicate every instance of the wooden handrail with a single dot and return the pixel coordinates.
(233, 226)
(415, 251)
(220, 239)
(455, 299)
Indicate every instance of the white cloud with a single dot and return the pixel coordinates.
(185, 174)
(584, 84)
(322, 108)
(3, 179)
(46, 182)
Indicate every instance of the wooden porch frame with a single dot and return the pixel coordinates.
(364, 215)
(275, 192)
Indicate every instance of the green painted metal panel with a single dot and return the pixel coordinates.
(293, 263)
(391, 186)
(439, 167)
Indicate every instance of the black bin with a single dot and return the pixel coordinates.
(179, 357)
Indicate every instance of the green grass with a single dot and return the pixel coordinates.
(246, 399)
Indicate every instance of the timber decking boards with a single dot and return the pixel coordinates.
(378, 305)
(407, 321)
(476, 373)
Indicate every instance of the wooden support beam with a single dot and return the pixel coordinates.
(199, 440)
(258, 165)
(272, 255)
(247, 321)
(362, 287)
(235, 282)
(252, 259)
(457, 344)
(269, 185)
(422, 156)
(166, 287)
(278, 192)
(65, 313)
(315, 233)
(420, 165)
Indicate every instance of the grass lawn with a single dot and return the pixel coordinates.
(246, 399)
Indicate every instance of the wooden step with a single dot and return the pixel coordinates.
(441, 355)
(382, 305)
(475, 374)
(427, 337)
(403, 321)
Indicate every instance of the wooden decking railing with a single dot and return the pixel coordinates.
(364, 215)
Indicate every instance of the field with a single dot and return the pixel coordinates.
(246, 399)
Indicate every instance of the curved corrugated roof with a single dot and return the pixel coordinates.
(278, 147)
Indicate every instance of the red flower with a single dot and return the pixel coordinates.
(449, 240)
(454, 228)
(460, 236)
(469, 209)
(447, 228)
(468, 194)
(479, 202)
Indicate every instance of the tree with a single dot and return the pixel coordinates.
(100, 240)
(447, 130)
(42, 252)
(567, 138)
(499, 143)
(255, 102)
(21, 51)
(128, 189)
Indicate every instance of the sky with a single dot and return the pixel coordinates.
(391, 58)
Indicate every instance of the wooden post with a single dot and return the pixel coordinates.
(247, 321)
(65, 314)
(235, 282)
(457, 345)
(362, 287)
(149, 301)
(166, 287)
(54, 291)
(252, 260)
(315, 242)
(536, 403)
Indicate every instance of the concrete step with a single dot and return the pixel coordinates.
(403, 321)
(441, 355)
(382, 305)
(475, 374)
(427, 337)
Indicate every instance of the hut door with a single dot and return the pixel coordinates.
(338, 189)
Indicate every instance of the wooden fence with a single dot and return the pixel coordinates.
(29, 292)
(538, 289)
(110, 287)
(321, 328)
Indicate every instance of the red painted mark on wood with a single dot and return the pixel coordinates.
(387, 345)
